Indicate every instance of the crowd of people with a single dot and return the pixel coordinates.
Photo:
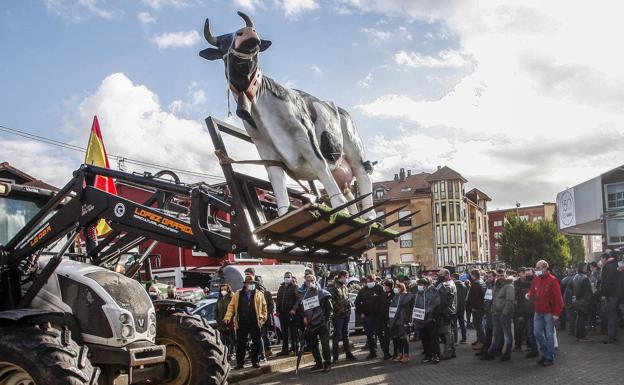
(507, 309)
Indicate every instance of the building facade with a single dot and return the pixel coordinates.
(496, 220)
(439, 201)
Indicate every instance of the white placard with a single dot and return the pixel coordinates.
(418, 313)
(392, 312)
(488, 294)
(311, 303)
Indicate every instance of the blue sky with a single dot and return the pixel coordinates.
(520, 97)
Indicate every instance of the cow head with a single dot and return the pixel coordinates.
(239, 50)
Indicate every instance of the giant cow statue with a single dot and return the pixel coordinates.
(314, 139)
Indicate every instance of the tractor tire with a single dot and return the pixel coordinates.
(195, 353)
(43, 355)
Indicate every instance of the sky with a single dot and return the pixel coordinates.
(523, 98)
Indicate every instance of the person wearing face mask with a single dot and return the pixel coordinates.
(487, 312)
(399, 314)
(226, 331)
(369, 305)
(248, 311)
(425, 315)
(547, 303)
(502, 311)
(265, 351)
(459, 321)
(342, 312)
(388, 287)
(286, 306)
(448, 306)
(315, 306)
(474, 301)
(523, 315)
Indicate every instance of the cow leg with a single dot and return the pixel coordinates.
(278, 181)
(366, 186)
(353, 208)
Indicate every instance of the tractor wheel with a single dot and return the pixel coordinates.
(43, 355)
(195, 353)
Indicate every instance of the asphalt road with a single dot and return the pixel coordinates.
(576, 363)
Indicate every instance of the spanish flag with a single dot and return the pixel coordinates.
(96, 155)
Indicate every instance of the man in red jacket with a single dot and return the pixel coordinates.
(547, 302)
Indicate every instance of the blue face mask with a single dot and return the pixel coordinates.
(396, 290)
(370, 285)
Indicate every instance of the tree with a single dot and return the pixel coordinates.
(523, 243)
(577, 249)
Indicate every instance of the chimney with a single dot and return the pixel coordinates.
(396, 176)
(409, 172)
(439, 167)
(402, 174)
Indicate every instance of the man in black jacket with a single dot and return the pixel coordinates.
(342, 313)
(609, 283)
(487, 311)
(448, 306)
(459, 322)
(316, 309)
(568, 309)
(523, 314)
(475, 302)
(286, 305)
(582, 298)
(369, 305)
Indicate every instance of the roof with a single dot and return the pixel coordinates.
(475, 194)
(20, 177)
(397, 189)
(445, 173)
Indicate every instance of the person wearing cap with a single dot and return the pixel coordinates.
(342, 313)
(609, 296)
(448, 311)
(582, 298)
(523, 314)
(547, 303)
(315, 307)
(248, 311)
(425, 315)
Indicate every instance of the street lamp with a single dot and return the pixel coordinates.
(518, 209)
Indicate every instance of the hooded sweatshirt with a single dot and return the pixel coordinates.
(504, 298)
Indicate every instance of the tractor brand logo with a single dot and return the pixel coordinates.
(120, 210)
(141, 322)
(86, 209)
(163, 222)
(32, 189)
(40, 235)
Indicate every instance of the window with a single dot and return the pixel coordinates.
(381, 214)
(456, 187)
(497, 235)
(438, 234)
(439, 256)
(405, 240)
(444, 217)
(615, 231)
(457, 211)
(450, 190)
(452, 233)
(406, 189)
(382, 260)
(454, 254)
(435, 191)
(208, 312)
(459, 234)
(437, 212)
(406, 258)
(524, 217)
(446, 255)
(615, 196)
(444, 234)
(451, 213)
(379, 193)
(498, 223)
(406, 221)
(443, 189)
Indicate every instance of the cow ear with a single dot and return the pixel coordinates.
(211, 54)
(264, 45)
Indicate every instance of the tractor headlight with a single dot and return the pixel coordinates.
(124, 318)
(152, 329)
(127, 331)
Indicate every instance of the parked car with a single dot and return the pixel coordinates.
(190, 294)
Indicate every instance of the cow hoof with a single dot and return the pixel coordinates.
(283, 210)
(338, 200)
(369, 216)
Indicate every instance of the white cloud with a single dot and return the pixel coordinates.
(318, 71)
(199, 97)
(249, 5)
(541, 73)
(377, 34)
(82, 10)
(366, 82)
(380, 36)
(176, 39)
(293, 8)
(159, 4)
(445, 59)
(146, 18)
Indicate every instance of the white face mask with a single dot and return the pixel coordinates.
(412, 281)
(370, 285)
(539, 273)
(287, 280)
(224, 292)
(396, 290)
(421, 288)
(251, 287)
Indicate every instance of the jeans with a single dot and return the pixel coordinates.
(430, 339)
(477, 322)
(242, 332)
(544, 331)
(487, 326)
(374, 328)
(610, 311)
(501, 332)
(341, 332)
(459, 323)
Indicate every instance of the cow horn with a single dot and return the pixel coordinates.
(248, 21)
(208, 35)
